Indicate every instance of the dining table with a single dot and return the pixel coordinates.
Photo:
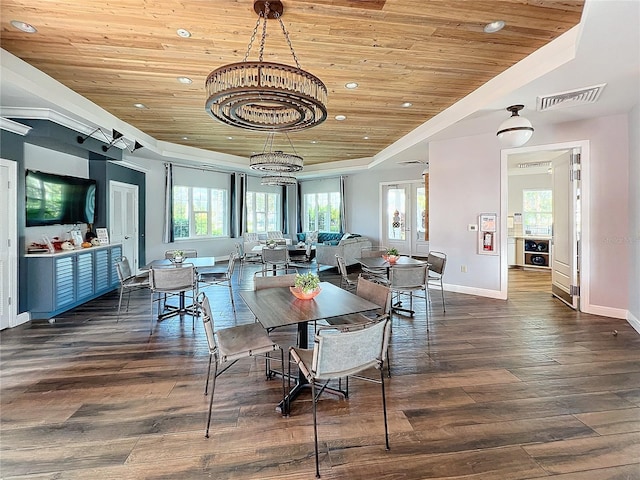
(201, 263)
(278, 307)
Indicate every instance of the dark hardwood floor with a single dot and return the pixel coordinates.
(492, 390)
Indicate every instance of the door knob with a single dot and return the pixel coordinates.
(126, 237)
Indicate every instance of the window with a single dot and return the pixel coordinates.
(537, 212)
(321, 212)
(200, 212)
(263, 212)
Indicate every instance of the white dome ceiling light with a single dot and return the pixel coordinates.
(516, 130)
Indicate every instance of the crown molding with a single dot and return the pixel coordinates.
(14, 127)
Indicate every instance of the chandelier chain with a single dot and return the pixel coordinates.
(253, 37)
(264, 31)
(286, 36)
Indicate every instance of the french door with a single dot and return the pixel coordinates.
(8, 245)
(405, 218)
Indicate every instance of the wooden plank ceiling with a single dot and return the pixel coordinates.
(430, 53)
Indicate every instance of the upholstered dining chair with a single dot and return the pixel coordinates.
(437, 262)
(245, 257)
(409, 280)
(377, 274)
(170, 281)
(221, 278)
(337, 354)
(375, 293)
(275, 257)
(228, 345)
(129, 281)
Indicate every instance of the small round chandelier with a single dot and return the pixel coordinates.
(266, 96)
(271, 160)
(278, 180)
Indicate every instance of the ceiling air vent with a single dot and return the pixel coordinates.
(572, 98)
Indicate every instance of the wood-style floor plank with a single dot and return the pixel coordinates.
(523, 389)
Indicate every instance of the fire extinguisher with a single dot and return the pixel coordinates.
(487, 241)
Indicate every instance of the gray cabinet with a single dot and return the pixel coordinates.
(59, 282)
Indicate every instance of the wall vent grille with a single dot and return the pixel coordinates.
(571, 98)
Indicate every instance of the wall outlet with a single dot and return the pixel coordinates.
(472, 227)
(463, 268)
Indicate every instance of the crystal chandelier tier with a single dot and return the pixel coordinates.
(266, 96)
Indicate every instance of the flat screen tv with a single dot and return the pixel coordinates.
(59, 199)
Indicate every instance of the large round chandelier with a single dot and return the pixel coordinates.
(278, 180)
(266, 96)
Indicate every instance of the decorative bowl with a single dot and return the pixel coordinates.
(391, 258)
(304, 295)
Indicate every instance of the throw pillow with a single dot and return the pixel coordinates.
(311, 237)
(345, 236)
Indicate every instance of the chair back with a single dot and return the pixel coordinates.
(251, 237)
(275, 255)
(342, 266)
(240, 250)
(207, 319)
(338, 354)
(185, 253)
(123, 269)
(275, 235)
(233, 257)
(408, 277)
(437, 261)
(376, 293)
(262, 282)
(173, 278)
(373, 251)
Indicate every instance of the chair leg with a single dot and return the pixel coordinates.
(384, 411)
(151, 316)
(233, 304)
(442, 293)
(213, 389)
(119, 304)
(285, 411)
(315, 426)
(206, 385)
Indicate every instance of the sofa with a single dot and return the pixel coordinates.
(331, 238)
(348, 248)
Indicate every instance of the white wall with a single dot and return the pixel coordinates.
(465, 181)
(634, 217)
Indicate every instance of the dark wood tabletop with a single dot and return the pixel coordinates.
(277, 307)
(198, 262)
(377, 262)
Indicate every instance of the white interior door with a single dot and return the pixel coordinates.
(564, 250)
(8, 245)
(123, 220)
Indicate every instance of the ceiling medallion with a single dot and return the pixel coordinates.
(266, 96)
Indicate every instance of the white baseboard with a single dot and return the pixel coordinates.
(634, 322)
(605, 311)
(480, 292)
(22, 318)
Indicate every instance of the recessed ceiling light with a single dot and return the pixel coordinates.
(229, 138)
(185, 80)
(183, 33)
(494, 27)
(407, 105)
(139, 105)
(340, 117)
(314, 141)
(23, 27)
(365, 138)
(185, 138)
(351, 85)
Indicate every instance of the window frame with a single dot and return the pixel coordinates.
(211, 212)
(539, 228)
(328, 205)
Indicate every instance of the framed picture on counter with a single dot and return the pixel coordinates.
(103, 236)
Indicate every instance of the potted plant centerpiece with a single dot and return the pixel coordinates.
(306, 286)
(178, 256)
(392, 255)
